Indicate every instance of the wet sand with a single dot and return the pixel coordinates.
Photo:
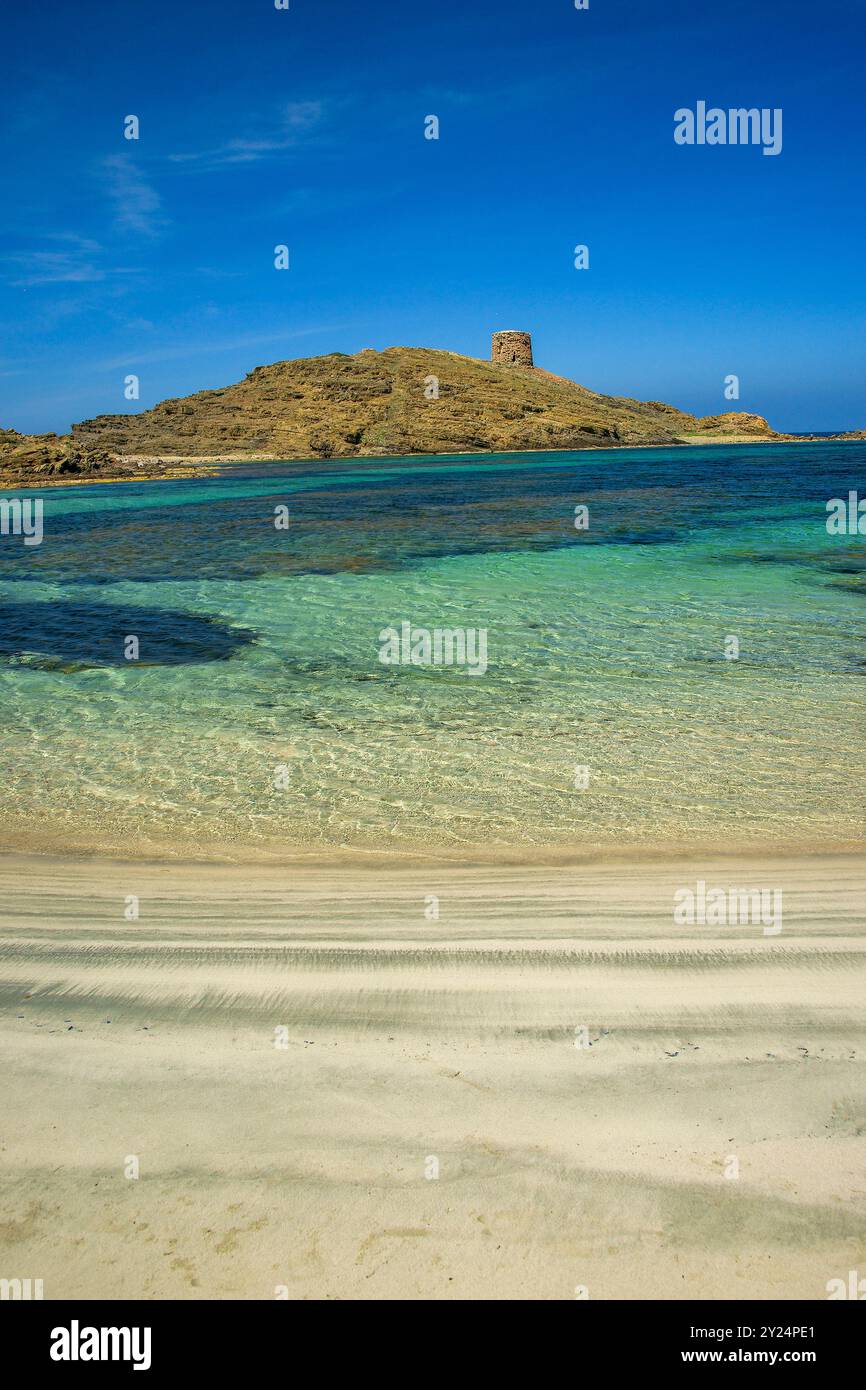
(296, 1163)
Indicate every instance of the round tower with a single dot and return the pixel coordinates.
(512, 348)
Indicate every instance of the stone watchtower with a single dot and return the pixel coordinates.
(512, 349)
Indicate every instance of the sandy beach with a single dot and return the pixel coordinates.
(289, 1056)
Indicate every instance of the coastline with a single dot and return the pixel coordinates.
(43, 848)
(172, 467)
(155, 471)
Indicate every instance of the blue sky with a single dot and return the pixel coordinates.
(306, 127)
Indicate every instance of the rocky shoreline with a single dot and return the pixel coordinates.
(77, 468)
(52, 460)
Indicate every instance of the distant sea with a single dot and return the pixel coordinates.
(258, 720)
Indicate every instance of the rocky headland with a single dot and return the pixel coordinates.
(401, 401)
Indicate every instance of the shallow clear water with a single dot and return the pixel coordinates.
(259, 650)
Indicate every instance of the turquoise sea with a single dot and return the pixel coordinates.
(258, 720)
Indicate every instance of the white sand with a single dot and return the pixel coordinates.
(408, 1039)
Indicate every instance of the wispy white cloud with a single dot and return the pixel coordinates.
(74, 261)
(203, 347)
(137, 205)
(213, 272)
(294, 124)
